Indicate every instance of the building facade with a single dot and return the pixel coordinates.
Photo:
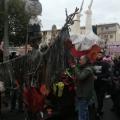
(19, 50)
(109, 31)
(47, 35)
(111, 34)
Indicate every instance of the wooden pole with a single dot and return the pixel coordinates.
(6, 36)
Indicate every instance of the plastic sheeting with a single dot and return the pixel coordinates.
(85, 42)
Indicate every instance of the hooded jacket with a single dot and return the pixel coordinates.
(85, 85)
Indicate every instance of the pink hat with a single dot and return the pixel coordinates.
(108, 59)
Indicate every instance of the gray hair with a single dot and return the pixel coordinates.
(87, 59)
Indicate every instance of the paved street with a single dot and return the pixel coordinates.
(108, 114)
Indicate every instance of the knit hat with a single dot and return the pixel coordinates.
(108, 59)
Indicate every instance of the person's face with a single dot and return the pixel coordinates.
(99, 57)
(82, 61)
(115, 57)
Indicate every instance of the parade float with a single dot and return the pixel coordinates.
(45, 78)
(88, 43)
(79, 44)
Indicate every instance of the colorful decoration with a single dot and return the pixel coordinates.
(36, 71)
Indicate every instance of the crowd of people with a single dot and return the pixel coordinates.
(13, 94)
(103, 76)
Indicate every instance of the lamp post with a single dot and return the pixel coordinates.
(6, 37)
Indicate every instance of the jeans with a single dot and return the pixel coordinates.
(13, 99)
(100, 96)
(83, 113)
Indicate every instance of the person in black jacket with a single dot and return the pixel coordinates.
(116, 66)
(114, 87)
(101, 77)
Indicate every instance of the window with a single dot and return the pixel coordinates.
(45, 33)
(111, 36)
(107, 28)
(102, 29)
(49, 32)
(105, 36)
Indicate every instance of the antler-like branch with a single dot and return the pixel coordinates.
(66, 12)
(72, 22)
(89, 7)
(81, 7)
(69, 19)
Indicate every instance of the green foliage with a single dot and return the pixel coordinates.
(18, 21)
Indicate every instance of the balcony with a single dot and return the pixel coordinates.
(108, 31)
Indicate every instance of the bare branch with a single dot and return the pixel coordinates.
(69, 19)
(66, 12)
(89, 7)
(81, 7)
(72, 22)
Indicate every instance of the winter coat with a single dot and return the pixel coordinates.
(85, 83)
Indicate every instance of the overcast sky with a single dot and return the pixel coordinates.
(104, 11)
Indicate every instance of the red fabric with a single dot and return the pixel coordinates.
(43, 90)
(78, 53)
(34, 99)
(65, 80)
(68, 43)
(17, 83)
(91, 53)
(70, 88)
